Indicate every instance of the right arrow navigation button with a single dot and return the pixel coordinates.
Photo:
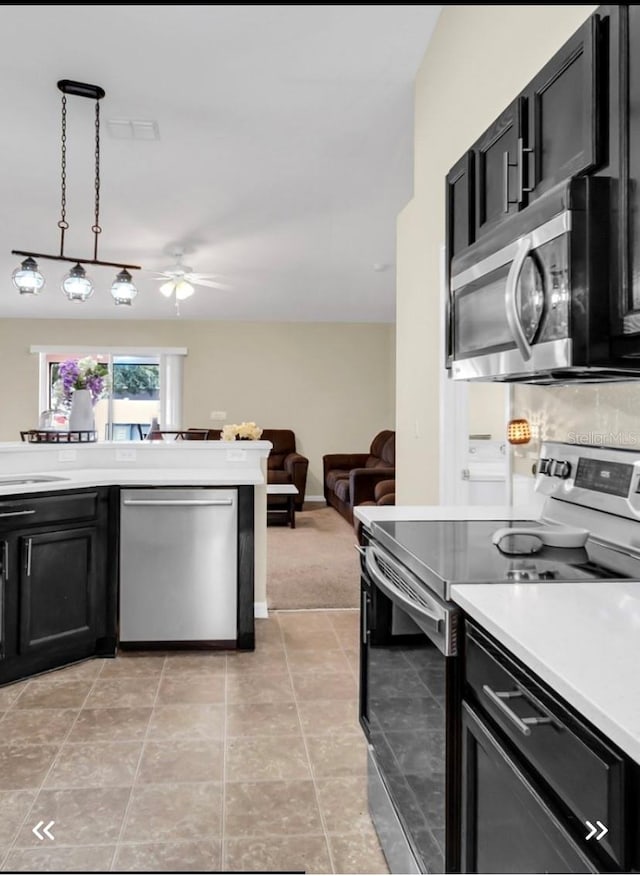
(600, 830)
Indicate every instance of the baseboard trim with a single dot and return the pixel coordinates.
(260, 609)
(314, 499)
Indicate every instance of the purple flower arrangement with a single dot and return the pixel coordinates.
(75, 374)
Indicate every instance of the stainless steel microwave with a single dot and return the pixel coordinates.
(531, 301)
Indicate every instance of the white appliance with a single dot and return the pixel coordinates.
(486, 472)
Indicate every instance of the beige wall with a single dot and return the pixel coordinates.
(478, 59)
(333, 384)
(487, 410)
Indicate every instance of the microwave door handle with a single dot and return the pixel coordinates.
(511, 307)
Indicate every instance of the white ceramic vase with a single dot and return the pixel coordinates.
(81, 414)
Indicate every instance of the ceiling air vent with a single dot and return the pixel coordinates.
(132, 129)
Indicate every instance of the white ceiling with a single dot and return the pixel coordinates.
(285, 153)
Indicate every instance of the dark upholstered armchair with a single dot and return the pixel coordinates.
(350, 479)
(284, 464)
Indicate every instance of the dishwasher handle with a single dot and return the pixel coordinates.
(177, 502)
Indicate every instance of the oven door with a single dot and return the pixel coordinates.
(409, 709)
(509, 312)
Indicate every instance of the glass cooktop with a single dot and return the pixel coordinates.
(446, 552)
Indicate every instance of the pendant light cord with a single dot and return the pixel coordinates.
(96, 227)
(63, 224)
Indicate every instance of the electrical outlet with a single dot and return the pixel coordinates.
(123, 455)
(218, 415)
(67, 455)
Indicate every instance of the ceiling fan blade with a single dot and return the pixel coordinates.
(194, 276)
(211, 284)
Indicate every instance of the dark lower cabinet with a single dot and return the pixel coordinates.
(508, 826)
(536, 775)
(57, 592)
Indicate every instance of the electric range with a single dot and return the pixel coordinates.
(411, 673)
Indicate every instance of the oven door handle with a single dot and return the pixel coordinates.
(510, 304)
(433, 615)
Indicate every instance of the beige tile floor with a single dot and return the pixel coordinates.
(194, 761)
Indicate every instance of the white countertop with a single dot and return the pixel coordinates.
(369, 514)
(582, 639)
(198, 463)
(74, 480)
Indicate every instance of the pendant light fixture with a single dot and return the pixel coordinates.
(76, 285)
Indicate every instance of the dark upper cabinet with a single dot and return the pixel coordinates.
(498, 189)
(564, 107)
(460, 204)
(627, 307)
(554, 130)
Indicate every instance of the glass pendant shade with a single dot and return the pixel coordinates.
(167, 288)
(184, 290)
(123, 289)
(76, 285)
(27, 278)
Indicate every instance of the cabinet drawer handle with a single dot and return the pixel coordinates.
(522, 151)
(28, 568)
(498, 699)
(506, 164)
(17, 513)
(5, 561)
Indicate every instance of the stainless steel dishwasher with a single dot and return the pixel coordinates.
(178, 565)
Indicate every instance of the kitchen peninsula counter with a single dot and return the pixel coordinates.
(74, 565)
(154, 463)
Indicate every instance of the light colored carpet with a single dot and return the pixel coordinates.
(314, 565)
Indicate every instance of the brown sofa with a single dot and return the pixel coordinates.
(284, 464)
(351, 478)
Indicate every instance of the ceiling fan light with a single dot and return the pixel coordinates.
(76, 285)
(123, 288)
(27, 278)
(167, 288)
(184, 290)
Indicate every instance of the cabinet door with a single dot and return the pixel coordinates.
(508, 826)
(460, 206)
(4, 565)
(498, 182)
(630, 171)
(563, 102)
(57, 589)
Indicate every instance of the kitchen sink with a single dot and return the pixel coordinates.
(29, 479)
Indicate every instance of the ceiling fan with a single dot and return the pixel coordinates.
(180, 279)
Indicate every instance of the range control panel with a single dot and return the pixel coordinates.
(606, 478)
(554, 468)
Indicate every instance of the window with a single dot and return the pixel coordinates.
(143, 384)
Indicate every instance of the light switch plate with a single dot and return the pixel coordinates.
(236, 455)
(123, 455)
(218, 415)
(67, 455)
